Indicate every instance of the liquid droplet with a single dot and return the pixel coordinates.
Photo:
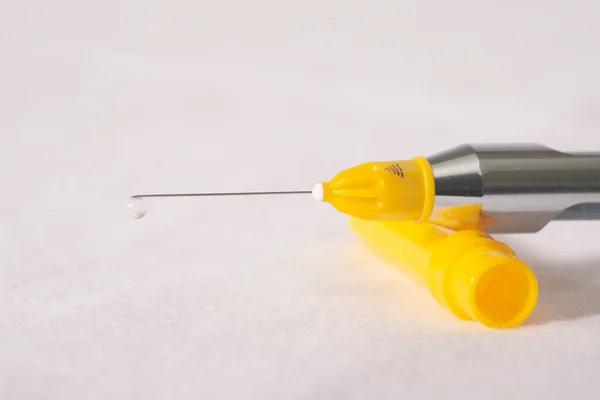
(136, 208)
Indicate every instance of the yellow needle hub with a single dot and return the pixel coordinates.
(394, 190)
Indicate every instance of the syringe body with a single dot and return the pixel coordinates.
(519, 188)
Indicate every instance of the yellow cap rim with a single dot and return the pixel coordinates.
(525, 308)
(429, 187)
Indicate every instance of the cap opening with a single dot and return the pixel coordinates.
(505, 295)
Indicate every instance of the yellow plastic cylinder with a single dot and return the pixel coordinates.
(468, 272)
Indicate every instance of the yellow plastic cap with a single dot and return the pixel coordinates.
(468, 272)
(482, 279)
(396, 190)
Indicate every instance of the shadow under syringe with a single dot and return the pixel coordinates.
(567, 290)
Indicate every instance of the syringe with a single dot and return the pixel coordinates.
(497, 188)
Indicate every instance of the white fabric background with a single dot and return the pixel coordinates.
(273, 298)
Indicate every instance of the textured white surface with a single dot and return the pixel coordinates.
(272, 298)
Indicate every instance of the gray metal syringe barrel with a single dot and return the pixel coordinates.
(520, 187)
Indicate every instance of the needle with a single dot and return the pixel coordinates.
(137, 209)
(139, 196)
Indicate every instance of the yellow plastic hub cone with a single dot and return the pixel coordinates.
(395, 190)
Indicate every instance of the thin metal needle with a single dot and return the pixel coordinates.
(138, 196)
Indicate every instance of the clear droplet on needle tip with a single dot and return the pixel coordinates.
(136, 207)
